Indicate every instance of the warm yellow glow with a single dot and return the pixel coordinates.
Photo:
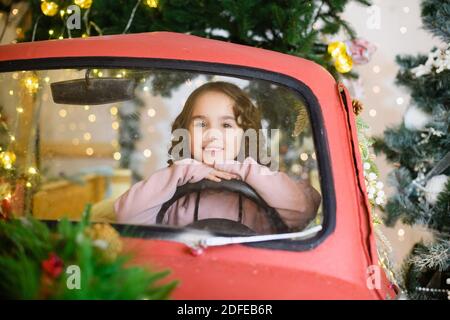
(30, 82)
(28, 184)
(152, 3)
(7, 159)
(62, 113)
(115, 125)
(49, 8)
(89, 151)
(151, 112)
(113, 111)
(92, 118)
(32, 170)
(83, 4)
(87, 136)
(117, 155)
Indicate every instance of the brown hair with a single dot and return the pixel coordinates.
(246, 113)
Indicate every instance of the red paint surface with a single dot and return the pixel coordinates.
(336, 269)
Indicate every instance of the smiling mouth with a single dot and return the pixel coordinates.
(212, 149)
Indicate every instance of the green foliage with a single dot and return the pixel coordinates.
(26, 243)
(415, 153)
(435, 17)
(285, 26)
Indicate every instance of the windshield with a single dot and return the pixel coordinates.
(154, 147)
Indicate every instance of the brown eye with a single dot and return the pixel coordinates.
(199, 124)
(227, 125)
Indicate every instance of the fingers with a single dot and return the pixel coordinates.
(212, 177)
(217, 175)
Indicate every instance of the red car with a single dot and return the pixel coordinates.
(334, 259)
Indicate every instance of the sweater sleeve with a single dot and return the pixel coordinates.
(296, 201)
(141, 203)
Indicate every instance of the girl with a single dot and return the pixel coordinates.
(216, 115)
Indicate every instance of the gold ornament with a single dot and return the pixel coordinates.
(342, 61)
(83, 4)
(30, 82)
(301, 121)
(106, 239)
(49, 8)
(7, 159)
(5, 191)
(152, 3)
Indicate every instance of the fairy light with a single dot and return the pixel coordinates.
(49, 8)
(115, 125)
(83, 4)
(152, 3)
(399, 100)
(113, 111)
(146, 89)
(28, 184)
(147, 153)
(19, 109)
(376, 69)
(15, 12)
(86, 108)
(32, 170)
(47, 79)
(92, 118)
(15, 76)
(51, 32)
(406, 9)
(89, 151)
(151, 112)
(372, 112)
(313, 155)
(30, 82)
(117, 156)
(62, 113)
(304, 156)
(87, 136)
(403, 30)
(11, 92)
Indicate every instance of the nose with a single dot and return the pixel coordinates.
(212, 135)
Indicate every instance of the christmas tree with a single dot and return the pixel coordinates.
(419, 148)
(293, 27)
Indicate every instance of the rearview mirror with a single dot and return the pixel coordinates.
(92, 91)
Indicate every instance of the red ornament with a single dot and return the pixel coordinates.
(53, 266)
(5, 209)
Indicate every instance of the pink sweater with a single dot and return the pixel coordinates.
(296, 201)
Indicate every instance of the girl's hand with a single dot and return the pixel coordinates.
(217, 175)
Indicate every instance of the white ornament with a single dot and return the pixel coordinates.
(416, 119)
(435, 186)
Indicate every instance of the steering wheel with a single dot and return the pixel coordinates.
(220, 224)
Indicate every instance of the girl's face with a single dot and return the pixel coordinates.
(215, 134)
